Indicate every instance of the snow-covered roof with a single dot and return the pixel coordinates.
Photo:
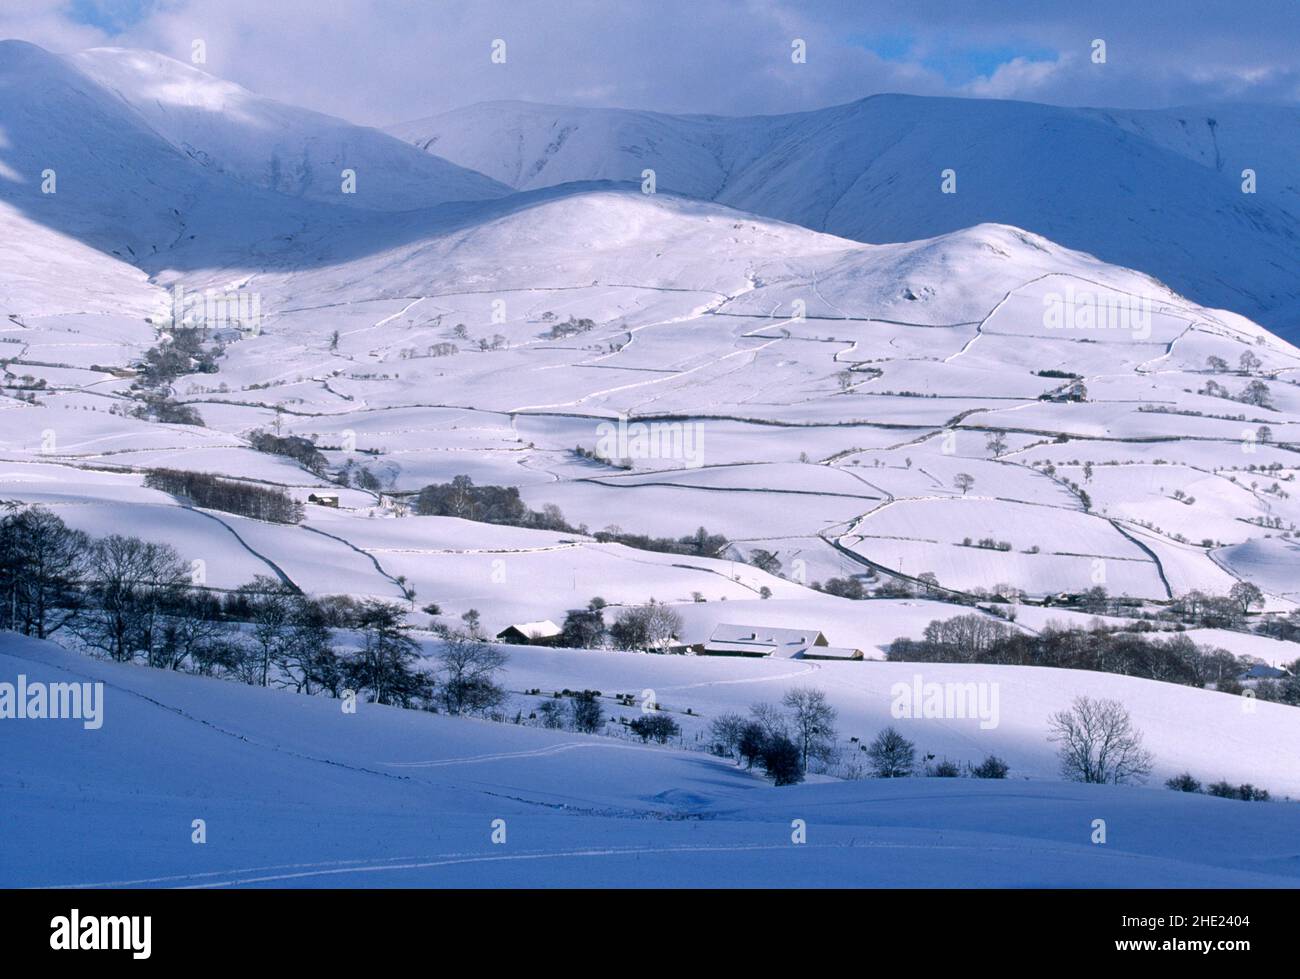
(833, 652)
(545, 629)
(1262, 671)
(747, 640)
(766, 635)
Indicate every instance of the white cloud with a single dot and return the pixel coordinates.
(45, 22)
(381, 61)
(1019, 78)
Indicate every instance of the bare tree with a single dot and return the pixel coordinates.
(386, 662)
(271, 604)
(310, 660)
(964, 482)
(964, 638)
(468, 669)
(1246, 596)
(770, 720)
(765, 560)
(725, 731)
(653, 626)
(660, 727)
(42, 566)
(813, 720)
(662, 625)
(1098, 743)
(891, 755)
(193, 633)
(133, 584)
(1256, 393)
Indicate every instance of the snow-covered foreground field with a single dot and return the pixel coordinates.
(296, 793)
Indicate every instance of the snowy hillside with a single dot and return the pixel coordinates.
(836, 439)
(134, 153)
(292, 151)
(295, 793)
(1156, 190)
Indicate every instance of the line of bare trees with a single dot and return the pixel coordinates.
(227, 495)
(132, 600)
(1175, 658)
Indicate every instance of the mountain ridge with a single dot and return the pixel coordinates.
(1149, 189)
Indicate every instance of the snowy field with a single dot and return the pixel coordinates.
(294, 793)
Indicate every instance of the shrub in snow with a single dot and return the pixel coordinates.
(781, 760)
(588, 715)
(991, 767)
(750, 743)
(1246, 792)
(552, 714)
(660, 727)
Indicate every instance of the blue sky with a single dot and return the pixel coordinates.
(111, 16)
(957, 63)
(381, 61)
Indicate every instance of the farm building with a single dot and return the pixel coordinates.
(1262, 671)
(323, 499)
(743, 640)
(227, 334)
(543, 633)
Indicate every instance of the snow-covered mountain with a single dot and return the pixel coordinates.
(133, 152)
(279, 147)
(876, 372)
(1155, 190)
(839, 385)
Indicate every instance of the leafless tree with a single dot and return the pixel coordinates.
(653, 626)
(133, 583)
(1098, 743)
(468, 669)
(891, 755)
(725, 731)
(770, 719)
(42, 566)
(813, 720)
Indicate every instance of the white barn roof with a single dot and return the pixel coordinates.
(545, 629)
(832, 652)
(745, 640)
(766, 635)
